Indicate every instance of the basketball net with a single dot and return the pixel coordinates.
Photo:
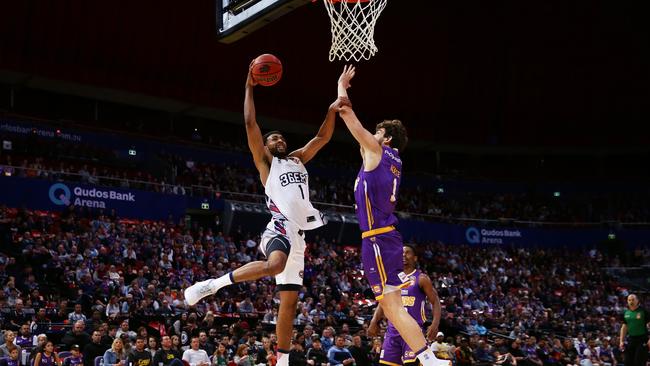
(353, 28)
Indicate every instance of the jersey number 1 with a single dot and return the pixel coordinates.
(301, 192)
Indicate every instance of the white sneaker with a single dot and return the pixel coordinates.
(441, 362)
(283, 359)
(198, 291)
(435, 361)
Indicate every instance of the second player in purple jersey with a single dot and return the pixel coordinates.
(413, 299)
(415, 295)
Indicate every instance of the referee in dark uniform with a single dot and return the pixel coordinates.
(635, 319)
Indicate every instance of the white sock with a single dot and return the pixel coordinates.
(283, 359)
(221, 282)
(427, 358)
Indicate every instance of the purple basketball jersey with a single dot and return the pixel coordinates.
(414, 300)
(395, 351)
(376, 191)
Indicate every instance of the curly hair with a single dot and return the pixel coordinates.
(395, 129)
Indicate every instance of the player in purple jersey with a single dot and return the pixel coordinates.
(375, 191)
(414, 298)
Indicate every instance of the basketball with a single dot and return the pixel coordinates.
(267, 69)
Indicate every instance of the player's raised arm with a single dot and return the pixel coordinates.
(307, 152)
(261, 156)
(363, 136)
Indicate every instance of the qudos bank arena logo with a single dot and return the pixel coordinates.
(60, 194)
(473, 235)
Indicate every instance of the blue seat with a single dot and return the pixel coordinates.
(64, 354)
(99, 360)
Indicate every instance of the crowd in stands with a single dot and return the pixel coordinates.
(102, 287)
(172, 174)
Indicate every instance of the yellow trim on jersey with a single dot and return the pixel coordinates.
(388, 363)
(380, 266)
(411, 360)
(379, 297)
(371, 220)
(405, 284)
(377, 231)
(383, 271)
(424, 315)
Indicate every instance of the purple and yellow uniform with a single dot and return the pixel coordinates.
(375, 194)
(47, 360)
(394, 350)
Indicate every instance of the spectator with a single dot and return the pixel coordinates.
(11, 359)
(316, 356)
(569, 356)
(195, 356)
(77, 335)
(606, 353)
(93, 349)
(166, 355)
(297, 354)
(205, 344)
(75, 358)
(111, 334)
(124, 329)
(17, 317)
(220, 357)
(375, 351)
(464, 354)
(10, 336)
(266, 354)
(246, 306)
(77, 314)
(24, 338)
(590, 355)
(440, 348)
(360, 353)
(116, 355)
(152, 345)
(41, 340)
(41, 323)
(176, 343)
(139, 356)
(113, 309)
(327, 339)
(483, 353)
(242, 358)
(338, 355)
(530, 351)
(47, 357)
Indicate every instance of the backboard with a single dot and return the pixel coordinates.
(238, 18)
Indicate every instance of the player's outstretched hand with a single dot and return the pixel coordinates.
(346, 76)
(250, 81)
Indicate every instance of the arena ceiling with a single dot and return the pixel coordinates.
(485, 73)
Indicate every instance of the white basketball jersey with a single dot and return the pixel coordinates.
(287, 189)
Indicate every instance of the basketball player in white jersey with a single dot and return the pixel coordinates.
(286, 186)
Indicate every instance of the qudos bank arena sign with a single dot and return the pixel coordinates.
(475, 235)
(60, 194)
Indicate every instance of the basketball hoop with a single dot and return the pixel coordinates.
(353, 28)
